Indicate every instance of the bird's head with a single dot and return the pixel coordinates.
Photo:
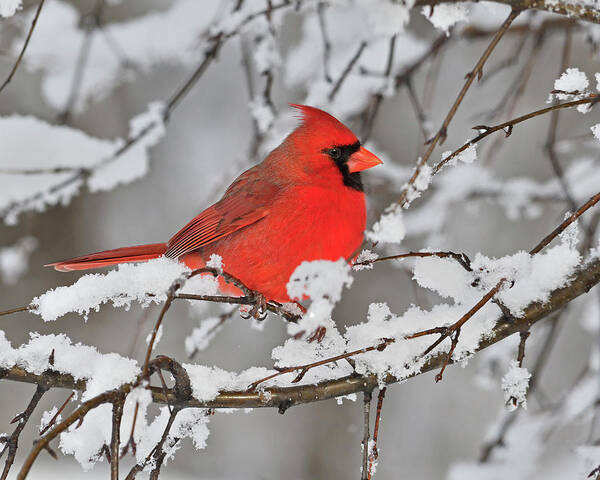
(327, 148)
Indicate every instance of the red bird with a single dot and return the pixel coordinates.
(305, 201)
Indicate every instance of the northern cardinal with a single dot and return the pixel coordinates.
(304, 201)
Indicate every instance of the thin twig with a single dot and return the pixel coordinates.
(524, 335)
(117, 415)
(461, 258)
(584, 278)
(25, 308)
(77, 415)
(346, 71)
(550, 146)
(325, 39)
(11, 444)
(507, 126)
(374, 453)
(374, 104)
(58, 412)
(157, 452)
(442, 132)
(445, 332)
(364, 471)
(304, 368)
(22, 53)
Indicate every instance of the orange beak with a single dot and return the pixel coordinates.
(361, 160)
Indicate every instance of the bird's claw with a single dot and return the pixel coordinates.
(259, 309)
(318, 335)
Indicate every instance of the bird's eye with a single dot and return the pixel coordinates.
(335, 153)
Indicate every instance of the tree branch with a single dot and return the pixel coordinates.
(582, 281)
(573, 10)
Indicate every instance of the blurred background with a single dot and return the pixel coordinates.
(426, 427)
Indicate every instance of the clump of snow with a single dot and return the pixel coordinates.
(596, 131)
(572, 80)
(420, 184)
(444, 16)
(262, 113)
(29, 187)
(133, 163)
(208, 381)
(320, 279)
(57, 353)
(9, 7)
(266, 54)
(387, 18)
(47, 416)
(14, 259)
(468, 155)
(299, 351)
(145, 283)
(514, 385)
(573, 84)
(51, 48)
(546, 272)
(189, 423)
(351, 397)
(347, 27)
(390, 226)
(215, 261)
(364, 260)
(201, 336)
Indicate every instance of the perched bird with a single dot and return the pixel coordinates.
(304, 201)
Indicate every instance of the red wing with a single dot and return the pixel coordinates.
(245, 202)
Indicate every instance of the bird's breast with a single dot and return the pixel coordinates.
(304, 223)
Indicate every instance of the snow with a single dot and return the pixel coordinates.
(514, 385)
(320, 279)
(62, 147)
(509, 462)
(364, 260)
(215, 261)
(133, 163)
(266, 54)
(14, 259)
(262, 113)
(390, 226)
(52, 51)
(190, 423)
(299, 351)
(208, 381)
(145, 283)
(419, 185)
(47, 416)
(386, 18)
(101, 371)
(468, 155)
(596, 131)
(9, 7)
(346, 27)
(444, 16)
(201, 336)
(519, 197)
(574, 81)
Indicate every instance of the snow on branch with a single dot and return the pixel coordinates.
(585, 277)
(66, 159)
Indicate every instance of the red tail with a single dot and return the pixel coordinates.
(139, 253)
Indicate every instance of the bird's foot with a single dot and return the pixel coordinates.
(259, 309)
(318, 335)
